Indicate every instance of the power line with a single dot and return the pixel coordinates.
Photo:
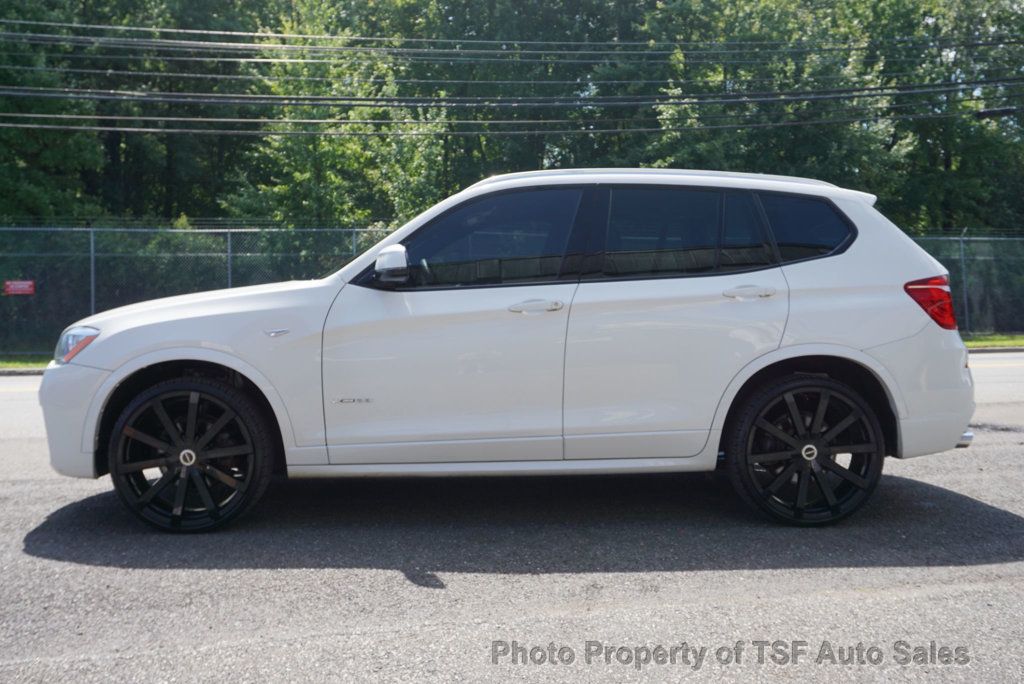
(421, 55)
(202, 119)
(998, 112)
(475, 122)
(366, 134)
(496, 102)
(212, 45)
(446, 61)
(910, 40)
(582, 82)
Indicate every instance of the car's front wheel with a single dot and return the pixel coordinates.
(805, 450)
(191, 454)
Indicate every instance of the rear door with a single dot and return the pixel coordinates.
(682, 290)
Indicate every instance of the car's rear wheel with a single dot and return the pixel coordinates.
(191, 454)
(805, 450)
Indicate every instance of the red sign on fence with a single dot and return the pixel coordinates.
(19, 287)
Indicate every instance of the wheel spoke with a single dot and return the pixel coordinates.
(215, 428)
(190, 421)
(221, 476)
(819, 414)
(783, 477)
(777, 433)
(794, 414)
(838, 428)
(825, 487)
(179, 497)
(165, 420)
(204, 492)
(156, 488)
(143, 465)
(226, 452)
(772, 457)
(148, 440)
(801, 489)
(846, 474)
(870, 447)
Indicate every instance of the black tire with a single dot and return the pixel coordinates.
(191, 454)
(805, 450)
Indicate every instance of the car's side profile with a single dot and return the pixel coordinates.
(580, 321)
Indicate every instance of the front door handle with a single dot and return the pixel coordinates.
(535, 306)
(749, 292)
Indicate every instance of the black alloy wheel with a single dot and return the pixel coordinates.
(191, 454)
(805, 450)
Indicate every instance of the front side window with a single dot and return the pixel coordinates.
(505, 238)
(665, 231)
(804, 227)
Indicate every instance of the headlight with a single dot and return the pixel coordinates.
(72, 341)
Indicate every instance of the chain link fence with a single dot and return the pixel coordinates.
(986, 275)
(79, 271)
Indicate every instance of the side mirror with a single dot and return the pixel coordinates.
(392, 265)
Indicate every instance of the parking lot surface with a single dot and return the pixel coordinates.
(422, 580)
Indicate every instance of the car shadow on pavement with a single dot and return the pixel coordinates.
(539, 525)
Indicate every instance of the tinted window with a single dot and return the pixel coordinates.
(660, 231)
(504, 238)
(804, 226)
(743, 244)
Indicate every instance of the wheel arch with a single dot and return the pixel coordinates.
(145, 371)
(846, 365)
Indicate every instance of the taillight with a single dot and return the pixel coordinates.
(935, 298)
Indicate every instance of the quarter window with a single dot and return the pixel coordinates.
(503, 238)
(804, 227)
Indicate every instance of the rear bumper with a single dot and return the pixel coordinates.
(65, 396)
(937, 390)
(965, 440)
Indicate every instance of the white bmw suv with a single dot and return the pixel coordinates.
(577, 321)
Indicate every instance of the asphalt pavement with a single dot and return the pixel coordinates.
(433, 580)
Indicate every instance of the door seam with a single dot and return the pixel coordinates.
(565, 358)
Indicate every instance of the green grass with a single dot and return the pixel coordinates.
(24, 361)
(983, 340)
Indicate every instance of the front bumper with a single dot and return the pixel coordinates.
(65, 395)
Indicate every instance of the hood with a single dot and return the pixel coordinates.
(199, 303)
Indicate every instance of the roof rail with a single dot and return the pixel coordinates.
(651, 172)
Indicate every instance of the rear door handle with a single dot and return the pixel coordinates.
(534, 306)
(749, 292)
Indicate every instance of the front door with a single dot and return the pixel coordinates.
(463, 362)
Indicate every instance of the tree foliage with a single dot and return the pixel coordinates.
(929, 171)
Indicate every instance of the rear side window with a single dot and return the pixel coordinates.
(512, 237)
(804, 227)
(662, 231)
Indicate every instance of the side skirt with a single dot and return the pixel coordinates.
(702, 462)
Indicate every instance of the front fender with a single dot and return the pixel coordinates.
(90, 435)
